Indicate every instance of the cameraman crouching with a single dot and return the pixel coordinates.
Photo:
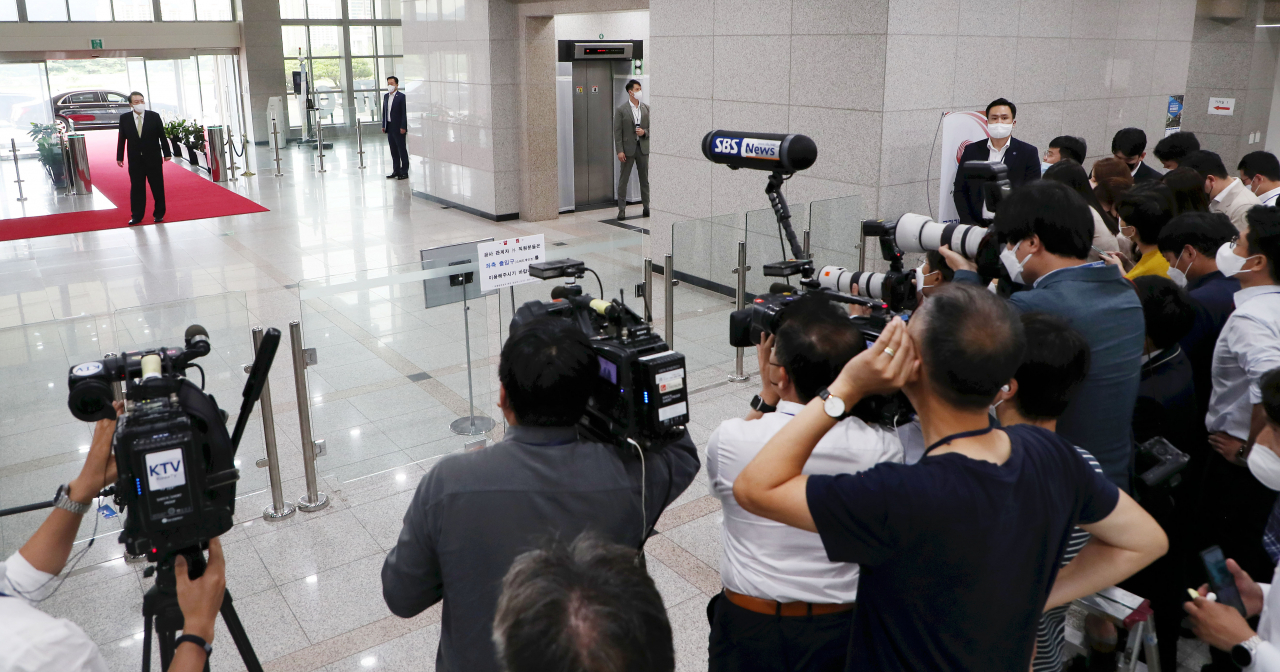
(37, 642)
(475, 512)
(785, 606)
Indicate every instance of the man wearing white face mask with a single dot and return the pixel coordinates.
(1022, 159)
(1226, 194)
(395, 123)
(1248, 347)
(1221, 626)
(1046, 230)
(142, 132)
(1260, 173)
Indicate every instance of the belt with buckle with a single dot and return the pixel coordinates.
(776, 608)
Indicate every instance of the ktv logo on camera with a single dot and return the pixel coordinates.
(748, 148)
(164, 469)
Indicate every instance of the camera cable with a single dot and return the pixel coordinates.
(929, 168)
(202, 376)
(601, 286)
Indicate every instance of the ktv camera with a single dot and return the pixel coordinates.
(174, 459)
(641, 395)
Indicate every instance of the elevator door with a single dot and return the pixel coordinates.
(593, 155)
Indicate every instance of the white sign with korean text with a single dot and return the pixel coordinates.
(505, 263)
(1223, 106)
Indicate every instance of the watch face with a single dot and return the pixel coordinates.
(1241, 656)
(834, 406)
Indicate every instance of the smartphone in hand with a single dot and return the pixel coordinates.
(1220, 579)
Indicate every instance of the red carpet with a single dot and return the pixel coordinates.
(188, 196)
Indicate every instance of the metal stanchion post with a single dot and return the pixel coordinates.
(472, 424)
(320, 141)
(279, 509)
(862, 252)
(231, 153)
(359, 145)
(314, 500)
(669, 273)
(13, 147)
(648, 290)
(807, 253)
(244, 151)
(740, 303)
(275, 136)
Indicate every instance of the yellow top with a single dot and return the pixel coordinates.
(1151, 263)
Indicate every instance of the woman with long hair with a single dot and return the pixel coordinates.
(1072, 174)
(1188, 191)
(1111, 178)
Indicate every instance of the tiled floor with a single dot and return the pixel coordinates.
(391, 377)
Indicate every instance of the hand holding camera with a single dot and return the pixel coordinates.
(99, 468)
(201, 598)
(883, 368)
(764, 358)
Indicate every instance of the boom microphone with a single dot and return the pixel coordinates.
(785, 152)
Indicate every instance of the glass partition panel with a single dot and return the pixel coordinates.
(392, 373)
(705, 252)
(41, 444)
(835, 231)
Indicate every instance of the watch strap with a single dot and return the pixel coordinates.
(197, 640)
(62, 500)
(758, 403)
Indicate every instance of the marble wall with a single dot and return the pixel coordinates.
(1232, 59)
(870, 79)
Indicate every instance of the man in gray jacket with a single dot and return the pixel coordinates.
(631, 139)
(475, 512)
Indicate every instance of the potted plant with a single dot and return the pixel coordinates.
(195, 143)
(173, 135)
(49, 146)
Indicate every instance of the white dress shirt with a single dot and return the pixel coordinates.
(767, 559)
(1269, 197)
(1247, 348)
(635, 111)
(994, 154)
(1267, 657)
(33, 640)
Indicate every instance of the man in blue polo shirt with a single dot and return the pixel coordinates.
(1046, 231)
(958, 552)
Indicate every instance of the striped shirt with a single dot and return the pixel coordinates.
(1051, 635)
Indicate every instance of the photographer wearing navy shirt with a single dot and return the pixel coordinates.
(959, 552)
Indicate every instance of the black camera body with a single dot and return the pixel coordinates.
(641, 394)
(175, 461)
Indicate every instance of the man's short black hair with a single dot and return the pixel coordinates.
(1147, 207)
(938, 264)
(585, 607)
(548, 370)
(1270, 385)
(971, 344)
(1055, 363)
(1176, 146)
(135, 93)
(1204, 231)
(1166, 309)
(632, 83)
(1070, 147)
(395, 78)
(1263, 236)
(1013, 109)
(1206, 163)
(814, 344)
(1260, 163)
(1048, 209)
(1129, 142)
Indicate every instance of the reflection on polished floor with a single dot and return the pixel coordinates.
(42, 198)
(391, 377)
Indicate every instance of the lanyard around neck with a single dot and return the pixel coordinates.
(962, 435)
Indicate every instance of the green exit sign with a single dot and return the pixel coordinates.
(95, 43)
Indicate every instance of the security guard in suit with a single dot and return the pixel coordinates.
(631, 139)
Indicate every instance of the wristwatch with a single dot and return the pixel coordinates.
(1242, 455)
(62, 500)
(758, 403)
(197, 640)
(1242, 653)
(833, 405)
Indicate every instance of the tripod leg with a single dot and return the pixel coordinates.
(238, 634)
(166, 648)
(146, 644)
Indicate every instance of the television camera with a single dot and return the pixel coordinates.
(641, 395)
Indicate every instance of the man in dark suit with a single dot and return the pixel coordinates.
(631, 140)
(395, 123)
(1130, 145)
(142, 131)
(1022, 159)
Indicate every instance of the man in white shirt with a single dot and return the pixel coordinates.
(34, 641)
(1260, 173)
(1226, 194)
(631, 141)
(1220, 625)
(785, 606)
(1247, 348)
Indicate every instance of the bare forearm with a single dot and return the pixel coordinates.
(1099, 565)
(188, 658)
(48, 549)
(784, 456)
